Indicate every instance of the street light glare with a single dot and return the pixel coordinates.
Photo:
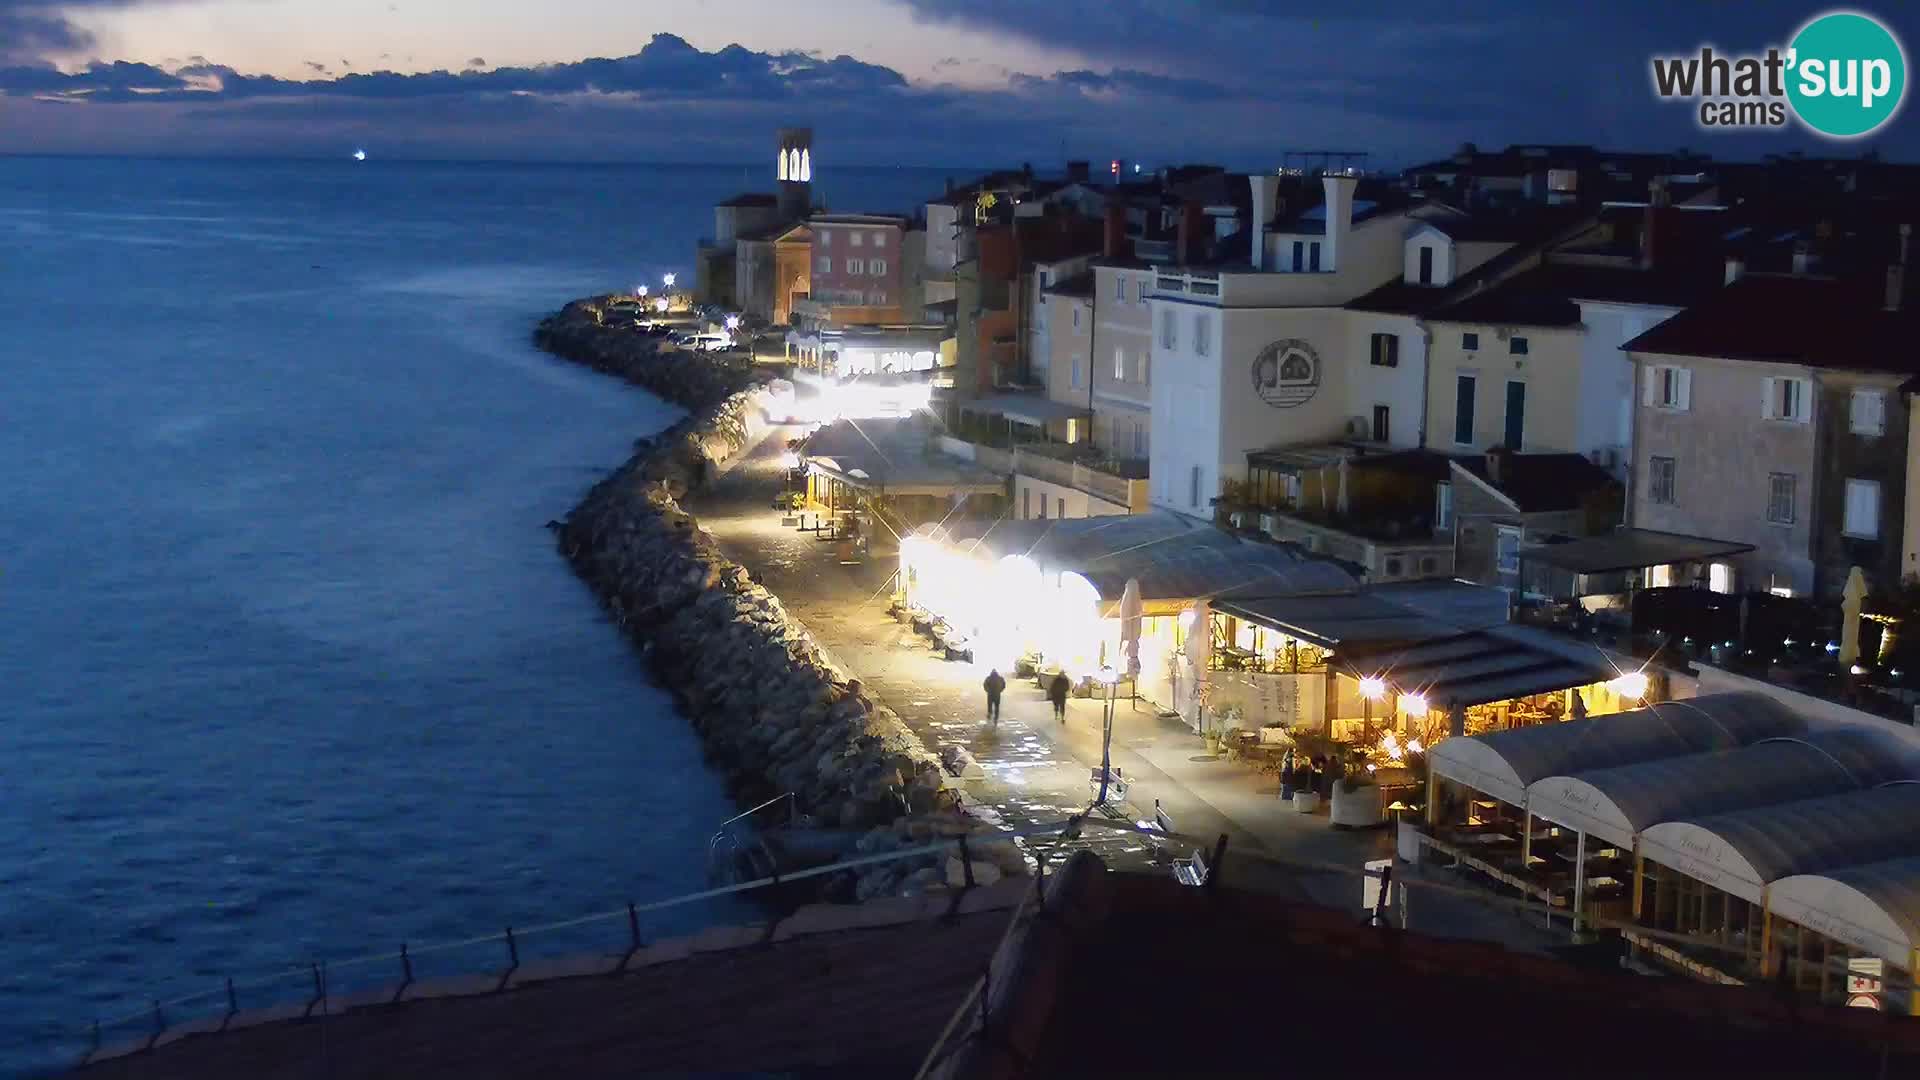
(667, 280)
(1373, 688)
(640, 291)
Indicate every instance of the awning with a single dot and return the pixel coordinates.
(1026, 408)
(1874, 908)
(1472, 669)
(1327, 621)
(1630, 549)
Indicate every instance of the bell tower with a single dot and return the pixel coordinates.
(794, 170)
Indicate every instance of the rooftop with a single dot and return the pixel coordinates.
(752, 198)
(1541, 483)
(1549, 294)
(858, 219)
(1080, 284)
(1819, 322)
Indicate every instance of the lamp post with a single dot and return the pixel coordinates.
(1109, 677)
(1372, 689)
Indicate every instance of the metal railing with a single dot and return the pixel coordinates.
(726, 839)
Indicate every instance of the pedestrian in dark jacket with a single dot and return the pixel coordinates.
(1057, 693)
(994, 684)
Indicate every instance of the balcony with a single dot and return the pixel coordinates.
(1117, 481)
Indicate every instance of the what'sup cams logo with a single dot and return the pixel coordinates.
(1843, 75)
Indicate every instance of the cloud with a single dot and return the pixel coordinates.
(32, 30)
(477, 62)
(316, 67)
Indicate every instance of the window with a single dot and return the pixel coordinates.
(879, 239)
(1426, 265)
(1517, 346)
(1119, 364)
(876, 267)
(1060, 507)
(826, 237)
(1660, 480)
(1299, 256)
(1863, 509)
(1140, 367)
(1026, 503)
(1443, 506)
(855, 266)
(1139, 440)
(1463, 391)
(1668, 388)
(1516, 431)
(1043, 507)
(1202, 333)
(1786, 399)
(1393, 567)
(1120, 287)
(1077, 383)
(1386, 350)
(1076, 318)
(1140, 291)
(1660, 577)
(1780, 498)
(1193, 494)
(856, 238)
(877, 298)
(824, 264)
(1507, 549)
(1380, 428)
(1470, 341)
(1868, 411)
(1313, 257)
(1720, 578)
(1166, 329)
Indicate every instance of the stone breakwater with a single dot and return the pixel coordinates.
(775, 712)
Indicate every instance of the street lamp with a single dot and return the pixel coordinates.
(640, 291)
(1372, 688)
(1109, 678)
(667, 280)
(733, 323)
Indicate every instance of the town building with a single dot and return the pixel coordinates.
(756, 219)
(1770, 415)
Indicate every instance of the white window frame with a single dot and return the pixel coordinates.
(1777, 404)
(1169, 334)
(1867, 412)
(1119, 364)
(1863, 501)
(826, 237)
(1653, 479)
(824, 264)
(1668, 388)
(856, 266)
(1202, 333)
(1501, 535)
(876, 267)
(1443, 505)
(856, 237)
(1120, 288)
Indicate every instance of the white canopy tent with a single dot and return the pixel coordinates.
(1874, 908)
(1744, 851)
(1505, 764)
(1616, 804)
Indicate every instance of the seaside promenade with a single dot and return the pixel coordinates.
(1036, 768)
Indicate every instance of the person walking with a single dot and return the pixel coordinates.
(1057, 693)
(994, 685)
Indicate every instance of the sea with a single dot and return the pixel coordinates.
(290, 670)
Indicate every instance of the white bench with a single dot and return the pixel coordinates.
(1191, 870)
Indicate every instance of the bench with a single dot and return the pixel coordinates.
(1191, 870)
(1116, 783)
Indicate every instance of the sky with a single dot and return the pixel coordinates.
(881, 82)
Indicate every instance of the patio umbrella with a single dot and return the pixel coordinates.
(1130, 608)
(1852, 597)
(1199, 643)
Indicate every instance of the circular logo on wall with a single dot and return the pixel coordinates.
(1286, 373)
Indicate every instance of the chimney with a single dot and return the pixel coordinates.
(1497, 458)
(1339, 216)
(1265, 187)
(1189, 240)
(1897, 272)
(1116, 231)
(1735, 268)
(1653, 232)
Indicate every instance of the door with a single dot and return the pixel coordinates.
(1299, 256)
(1426, 265)
(1516, 414)
(1380, 423)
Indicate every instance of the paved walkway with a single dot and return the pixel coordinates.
(1038, 768)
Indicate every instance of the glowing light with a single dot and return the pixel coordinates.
(640, 291)
(789, 460)
(667, 280)
(359, 155)
(1413, 705)
(1414, 747)
(660, 306)
(1632, 685)
(733, 323)
(1370, 767)
(1108, 676)
(1858, 670)
(1373, 688)
(1833, 646)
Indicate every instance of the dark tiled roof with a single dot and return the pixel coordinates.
(1819, 322)
(752, 198)
(1080, 284)
(1527, 300)
(770, 232)
(1543, 483)
(1547, 295)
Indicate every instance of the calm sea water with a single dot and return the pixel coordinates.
(289, 668)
